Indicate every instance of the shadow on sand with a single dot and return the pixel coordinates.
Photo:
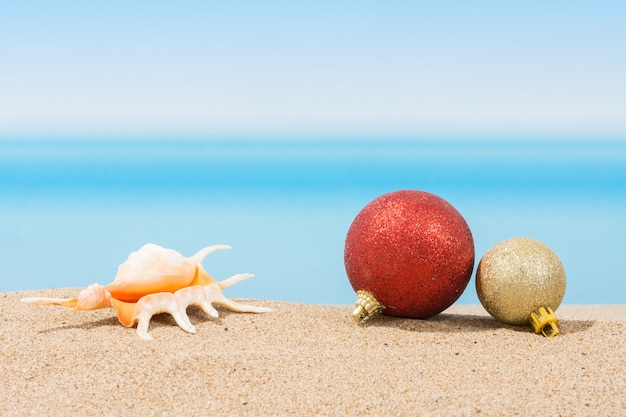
(446, 323)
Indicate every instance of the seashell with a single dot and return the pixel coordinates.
(157, 280)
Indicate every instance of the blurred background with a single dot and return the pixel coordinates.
(270, 126)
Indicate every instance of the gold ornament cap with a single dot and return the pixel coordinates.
(545, 322)
(366, 306)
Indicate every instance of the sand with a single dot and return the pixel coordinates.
(307, 359)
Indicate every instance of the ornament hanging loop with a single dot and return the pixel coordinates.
(366, 306)
(545, 322)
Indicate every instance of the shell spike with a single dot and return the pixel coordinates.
(217, 297)
(142, 330)
(195, 296)
(93, 297)
(229, 282)
(65, 302)
(163, 302)
(203, 253)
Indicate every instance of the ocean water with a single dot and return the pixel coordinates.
(71, 211)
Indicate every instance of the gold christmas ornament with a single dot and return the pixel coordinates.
(521, 281)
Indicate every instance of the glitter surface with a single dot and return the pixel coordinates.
(412, 250)
(516, 277)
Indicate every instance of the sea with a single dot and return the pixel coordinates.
(72, 210)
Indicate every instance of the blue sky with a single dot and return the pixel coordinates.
(120, 68)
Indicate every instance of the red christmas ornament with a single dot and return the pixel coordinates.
(408, 254)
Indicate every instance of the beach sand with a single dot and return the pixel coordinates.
(304, 359)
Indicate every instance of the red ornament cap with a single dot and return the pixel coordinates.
(412, 251)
